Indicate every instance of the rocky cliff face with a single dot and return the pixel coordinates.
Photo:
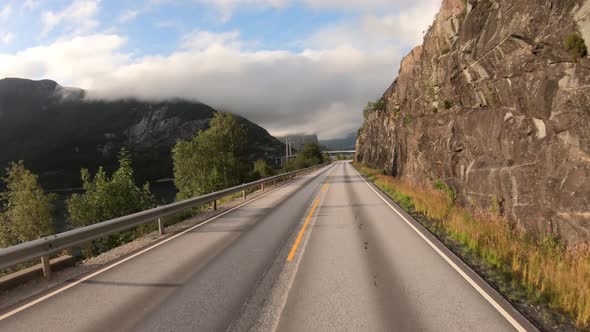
(495, 105)
(57, 132)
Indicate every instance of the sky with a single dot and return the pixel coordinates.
(292, 66)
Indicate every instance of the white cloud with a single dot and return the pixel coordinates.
(79, 17)
(31, 4)
(312, 91)
(7, 38)
(129, 15)
(199, 40)
(228, 6)
(6, 11)
(371, 32)
(366, 5)
(73, 61)
(321, 89)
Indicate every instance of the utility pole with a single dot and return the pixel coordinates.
(286, 151)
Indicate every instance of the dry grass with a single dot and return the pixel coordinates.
(548, 270)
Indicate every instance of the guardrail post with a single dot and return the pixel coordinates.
(46, 267)
(214, 205)
(244, 194)
(161, 227)
(262, 186)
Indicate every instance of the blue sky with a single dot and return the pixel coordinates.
(290, 65)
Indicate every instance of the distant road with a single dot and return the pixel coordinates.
(324, 253)
(339, 151)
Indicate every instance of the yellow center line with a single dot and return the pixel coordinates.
(300, 235)
(307, 220)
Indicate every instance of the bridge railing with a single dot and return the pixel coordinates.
(44, 247)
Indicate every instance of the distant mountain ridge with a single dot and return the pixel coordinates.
(345, 143)
(299, 140)
(57, 132)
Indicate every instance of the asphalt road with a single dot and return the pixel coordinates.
(323, 253)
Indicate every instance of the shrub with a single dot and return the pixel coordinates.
(378, 105)
(448, 104)
(107, 198)
(261, 170)
(440, 185)
(28, 209)
(495, 205)
(428, 88)
(575, 44)
(434, 110)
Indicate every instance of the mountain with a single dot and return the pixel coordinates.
(345, 143)
(495, 102)
(299, 140)
(56, 131)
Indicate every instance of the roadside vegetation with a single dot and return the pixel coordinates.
(25, 209)
(310, 155)
(545, 268)
(213, 160)
(106, 198)
(261, 170)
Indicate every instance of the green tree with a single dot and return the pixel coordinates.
(107, 198)
(309, 155)
(261, 170)
(213, 160)
(28, 210)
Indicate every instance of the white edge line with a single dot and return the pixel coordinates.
(94, 274)
(483, 293)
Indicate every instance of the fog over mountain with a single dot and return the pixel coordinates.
(313, 81)
(56, 131)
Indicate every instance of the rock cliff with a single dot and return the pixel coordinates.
(497, 105)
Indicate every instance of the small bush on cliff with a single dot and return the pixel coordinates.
(428, 89)
(448, 104)
(575, 44)
(378, 105)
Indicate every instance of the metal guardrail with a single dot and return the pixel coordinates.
(49, 245)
